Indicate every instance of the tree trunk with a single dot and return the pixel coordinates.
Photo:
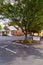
(25, 36)
(38, 34)
(25, 40)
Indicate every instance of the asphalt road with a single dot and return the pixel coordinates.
(18, 54)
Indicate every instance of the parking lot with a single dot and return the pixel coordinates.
(18, 54)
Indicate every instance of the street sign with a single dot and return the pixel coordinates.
(36, 38)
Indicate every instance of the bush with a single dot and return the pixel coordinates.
(30, 41)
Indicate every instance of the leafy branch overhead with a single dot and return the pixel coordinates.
(27, 14)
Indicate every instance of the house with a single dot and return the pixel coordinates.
(3, 32)
(16, 31)
(11, 31)
(19, 31)
(6, 30)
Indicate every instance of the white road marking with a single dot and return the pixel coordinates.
(10, 50)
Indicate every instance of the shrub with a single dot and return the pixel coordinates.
(30, 41)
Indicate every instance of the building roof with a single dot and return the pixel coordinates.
(17, 27)
(6, 28)
(12, 28)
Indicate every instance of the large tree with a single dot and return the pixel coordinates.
(25, 13)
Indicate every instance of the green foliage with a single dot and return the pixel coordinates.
(0, 27)
(27, 14)
(12, 23)
(30, 41)
(1, 2)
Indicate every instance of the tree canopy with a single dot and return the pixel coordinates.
(27, 14)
